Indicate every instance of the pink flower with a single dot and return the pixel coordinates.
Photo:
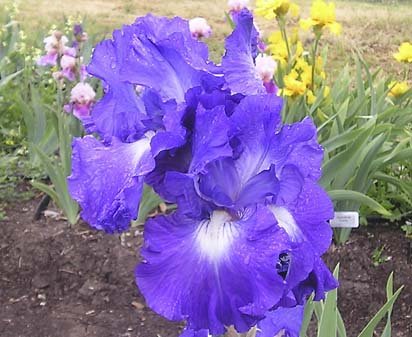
(199, 28)
(82, 98)
(237, 5)
(68, 64)
(55, 46)
(265, 67)
(50, 59)
(56, 42)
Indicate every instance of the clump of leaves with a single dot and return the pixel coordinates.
(378, 256)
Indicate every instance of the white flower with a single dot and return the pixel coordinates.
(82, 93)
(237, 5)
(265, 67)
(199, 28)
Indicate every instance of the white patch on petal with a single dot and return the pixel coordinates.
(215, 236)
(287, 222)
(138, 155)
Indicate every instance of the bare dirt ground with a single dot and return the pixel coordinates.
(57, 280)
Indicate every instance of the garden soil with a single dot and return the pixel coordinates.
(62, 281)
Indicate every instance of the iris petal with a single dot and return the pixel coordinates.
(107, 181)
(282, 322)
(235, 281)
(255, 121)
(297, 145)
(238, 63)
(120, 110)
(161, 54)
(210, 139)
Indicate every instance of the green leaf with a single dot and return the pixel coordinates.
(150, 200)
(341, 325)
(371, 326)
(387, 332)
(364, 169)
(58, 178)
(48, 190)
(361, 198)
(342, 166)
(230, 20)
(328, 321)
(7, 79)
(308, 313)
(405, 154)
(341, 139)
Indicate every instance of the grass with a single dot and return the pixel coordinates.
(375, 29)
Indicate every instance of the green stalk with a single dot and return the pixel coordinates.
(282, 27)
(314, 54)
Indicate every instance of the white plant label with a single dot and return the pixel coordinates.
(345, 220)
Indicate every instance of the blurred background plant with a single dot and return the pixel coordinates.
(364, 118)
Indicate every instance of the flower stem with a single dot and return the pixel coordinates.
(314, 54)
(282, 27)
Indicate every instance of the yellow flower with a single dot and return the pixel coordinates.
(310, 97)
(293, 86)
(322, 15)
(272, 9)
(398, 88)
(278, 49)
(326, 91)
(405, 53)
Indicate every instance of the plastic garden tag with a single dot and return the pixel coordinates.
(345, 220)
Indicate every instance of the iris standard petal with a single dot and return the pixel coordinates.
(120, 110)
(210, 137)
(238, 62)
(255, 122)
(220, 183)
(161, 54)
(214, 273)
(107, 181)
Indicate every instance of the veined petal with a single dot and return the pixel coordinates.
(235, 281)
(107, 181)
(210, 139)
(120, 110)
(305, 222)
(238, 63)
(297, 145)
(162, 54)
(255, 122)
(306, 217)
(319, 282)
(179, 188)
(281, 322)
(220, 184)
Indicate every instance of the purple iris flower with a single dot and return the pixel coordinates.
(161, 56)
(251, 221)
(241, 204)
